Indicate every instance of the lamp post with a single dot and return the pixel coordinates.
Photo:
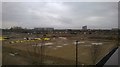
(77, 44)
(76, 53)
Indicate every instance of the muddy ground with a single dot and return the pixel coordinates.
(58, 50)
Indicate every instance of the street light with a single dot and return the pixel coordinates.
(77, 43)
(76, 53)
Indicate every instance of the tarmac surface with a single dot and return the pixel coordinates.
(113, 60)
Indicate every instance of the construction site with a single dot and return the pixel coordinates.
(58, 47)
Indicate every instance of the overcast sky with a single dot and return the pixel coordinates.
(96, 15)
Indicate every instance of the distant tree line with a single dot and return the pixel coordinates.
(17, 29)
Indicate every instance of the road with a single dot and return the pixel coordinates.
(113, 60)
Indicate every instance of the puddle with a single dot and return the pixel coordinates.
(87, 45)
(65, 44)
(63, 38)
(82, 42)
(48, 44)
(59, 46)
(96, 43)
(13, 54)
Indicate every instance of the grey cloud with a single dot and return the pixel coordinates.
(60, 15)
